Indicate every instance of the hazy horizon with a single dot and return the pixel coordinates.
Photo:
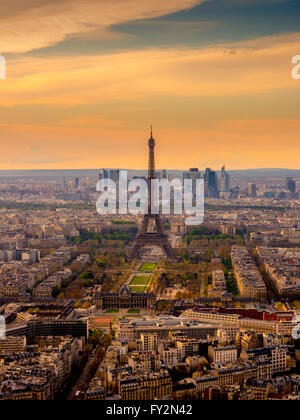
(145, 169)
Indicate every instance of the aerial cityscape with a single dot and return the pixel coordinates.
(145, 307)
(101, 303)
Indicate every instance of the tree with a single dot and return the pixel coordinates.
(96, 338)
(76, 268)
(88, 349)
(76, 294)
(106, 340)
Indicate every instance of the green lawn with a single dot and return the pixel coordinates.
(138, 289)
(112, 311)
(148, 267)
(140, 280)
(133, 311)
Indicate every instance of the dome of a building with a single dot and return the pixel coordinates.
(125, 290)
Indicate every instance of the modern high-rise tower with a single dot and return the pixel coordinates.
(211, 183)
(76, 183)
(252, 192)
(224, 181)
(290, 185)
(103, 174)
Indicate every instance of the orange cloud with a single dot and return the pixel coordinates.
(75, 112)
(251, 67)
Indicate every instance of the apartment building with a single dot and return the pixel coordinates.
(156, 385)
(249, 279)
(12, 345)
(226, 354)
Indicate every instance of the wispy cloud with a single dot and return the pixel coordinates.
(251, 67)
(26, 25)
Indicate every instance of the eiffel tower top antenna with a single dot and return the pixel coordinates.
(151, 162)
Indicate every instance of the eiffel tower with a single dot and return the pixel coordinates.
(144, 237)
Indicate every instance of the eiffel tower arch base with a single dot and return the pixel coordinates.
(160, 240)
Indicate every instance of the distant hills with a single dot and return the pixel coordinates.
(265, 173)
(10, 176)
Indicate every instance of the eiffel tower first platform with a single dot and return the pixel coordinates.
(145, 238)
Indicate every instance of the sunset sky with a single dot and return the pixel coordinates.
(86, 78)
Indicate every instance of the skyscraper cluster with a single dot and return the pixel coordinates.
(213, 185)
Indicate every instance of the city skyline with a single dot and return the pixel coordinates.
(83, 85)
(149, 203)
